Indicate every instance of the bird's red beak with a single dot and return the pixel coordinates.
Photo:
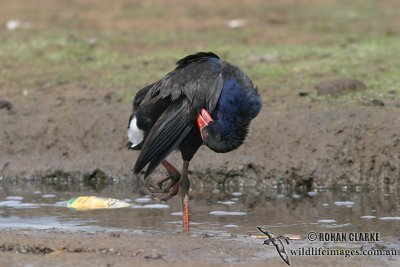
(203, 120)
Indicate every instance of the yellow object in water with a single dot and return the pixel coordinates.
(92, 202)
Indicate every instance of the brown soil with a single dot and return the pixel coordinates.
(338, 87)
(296, 141)
(37, 248)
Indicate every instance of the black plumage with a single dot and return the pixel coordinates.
(167, 111)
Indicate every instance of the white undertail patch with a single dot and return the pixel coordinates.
(135, 135)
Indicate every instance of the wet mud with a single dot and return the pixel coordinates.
(298, 141)
(37, 228)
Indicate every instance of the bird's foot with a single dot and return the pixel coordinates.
(158, 192)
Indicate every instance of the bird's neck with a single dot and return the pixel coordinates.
(225, 136)
(236, 107)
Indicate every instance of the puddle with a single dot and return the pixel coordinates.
(227, 213)
(237, 211)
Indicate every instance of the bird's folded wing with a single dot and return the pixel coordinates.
(199, 82)
(189, 89)
(167, 133)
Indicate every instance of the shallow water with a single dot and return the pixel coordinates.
(41, 205)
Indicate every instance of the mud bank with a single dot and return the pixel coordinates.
(296, 142)
(57, 248)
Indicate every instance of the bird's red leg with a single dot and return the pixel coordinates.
(170, 169)
(185, 213)
(184, 186)
(172, 188)
(173, 175)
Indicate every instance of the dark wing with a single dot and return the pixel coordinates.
(188, 88)
(138, 100)
(267, 232)
(165, 136)
(280, 248)
(140, 96)
(276, 241)
(199, 81)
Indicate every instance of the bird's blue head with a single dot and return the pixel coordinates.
(231, 118)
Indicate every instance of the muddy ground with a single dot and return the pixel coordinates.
(127, 249)
(72, 131)
(295, 141)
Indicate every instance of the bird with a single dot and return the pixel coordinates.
(205, 100)
(277, 242)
